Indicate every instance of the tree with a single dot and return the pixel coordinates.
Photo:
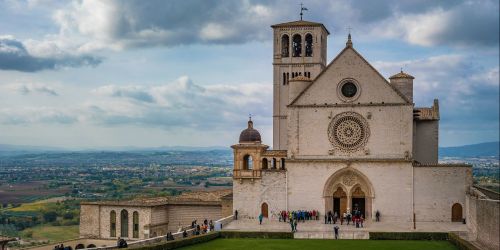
(68, 216)
(50, 216)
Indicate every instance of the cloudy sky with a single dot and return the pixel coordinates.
(84, 74)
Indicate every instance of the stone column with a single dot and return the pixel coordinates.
(349, 201)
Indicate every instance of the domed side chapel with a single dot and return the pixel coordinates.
(344, 139)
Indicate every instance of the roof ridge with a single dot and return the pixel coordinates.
(335, 59)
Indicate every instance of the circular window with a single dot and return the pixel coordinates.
(348, 131)
(348, 90)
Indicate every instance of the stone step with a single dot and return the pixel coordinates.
(348, 235)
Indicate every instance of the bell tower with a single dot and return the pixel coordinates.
(299, 50)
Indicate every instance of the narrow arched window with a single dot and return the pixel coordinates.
(274, 163)
(309, 45)
(283, 163)
(297, 45)
(112, 224)
(285, 43)
(135, 228)
(264, 163)
(284, 78)
(247, 162)
(124, 223)
(287, 77)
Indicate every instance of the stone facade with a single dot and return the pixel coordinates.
(350, 140)
(147, 218)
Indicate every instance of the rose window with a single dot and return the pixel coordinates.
(348, 131)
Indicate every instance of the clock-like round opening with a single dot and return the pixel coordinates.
(349, 89)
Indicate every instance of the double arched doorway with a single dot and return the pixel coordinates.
(348, 190)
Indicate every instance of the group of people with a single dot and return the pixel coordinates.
(62, 247)
(205, 227)
(300, 215)
(357, 218)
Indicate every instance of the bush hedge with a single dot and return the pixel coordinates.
(408, 236)
(461, 243)
(180, 242)
(262, 235)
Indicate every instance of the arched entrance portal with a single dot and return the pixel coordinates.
(456, 212)
(349, 190)
(339, 201)
(264, 209)
(358, 202)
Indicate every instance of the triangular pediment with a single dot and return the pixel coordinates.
(349, 64)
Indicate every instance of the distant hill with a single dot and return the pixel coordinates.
(473, 150)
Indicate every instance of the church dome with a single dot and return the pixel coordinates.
(250, 134)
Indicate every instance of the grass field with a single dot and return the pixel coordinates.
(53, 233)
(265, 244)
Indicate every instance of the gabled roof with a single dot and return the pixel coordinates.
(300, 23)
(335, 59)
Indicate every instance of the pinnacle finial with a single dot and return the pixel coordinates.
(302, 8)
(250, 123)
(349, 41)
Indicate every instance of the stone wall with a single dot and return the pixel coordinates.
(425, 142)
(483, 220)
(437, 188)
(183, 215)
(89, 220)
(391, 132)
(105, 223)
(249, 195)
(226, 206)
(389, 181)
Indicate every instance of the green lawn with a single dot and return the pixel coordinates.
(53, 233)
(278, 244)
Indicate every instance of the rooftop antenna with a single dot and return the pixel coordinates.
(302, 8)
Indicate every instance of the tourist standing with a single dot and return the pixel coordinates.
(336, 229)
(295, 225)
(235, 214)
(377, 216)
(260, 219)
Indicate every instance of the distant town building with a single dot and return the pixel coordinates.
(150, 217)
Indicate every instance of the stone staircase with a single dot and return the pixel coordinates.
(344, 234)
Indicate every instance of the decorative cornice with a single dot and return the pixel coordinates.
(330, 105)
(348, 160)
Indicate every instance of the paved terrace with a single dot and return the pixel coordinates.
(317, 228)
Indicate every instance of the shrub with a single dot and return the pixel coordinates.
(50, 216)
(461, 243)
(408, 236)
(263, 235)
(181, 242)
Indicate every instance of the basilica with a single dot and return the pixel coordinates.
(344, 138)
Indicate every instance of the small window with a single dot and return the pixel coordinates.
(247, 162)
(285, 43)
(297, 45)
(135, 219)
(124, 223)
(309, 45)
(112, 223)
